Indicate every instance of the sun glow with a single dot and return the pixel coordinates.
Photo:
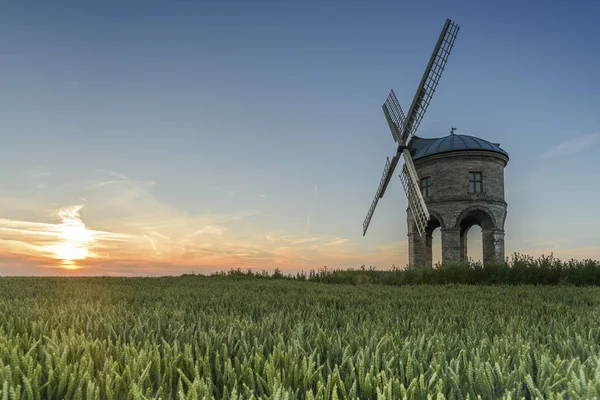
(76, 239)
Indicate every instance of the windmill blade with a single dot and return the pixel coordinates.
(410, 182)
(388, 171)
(394, 115)
(430, 80)
(367, 220)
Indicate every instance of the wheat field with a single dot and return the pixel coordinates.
(225, 338)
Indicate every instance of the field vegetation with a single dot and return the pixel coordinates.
(245, 337)
(518, 270)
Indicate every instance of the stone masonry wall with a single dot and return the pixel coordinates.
(450, 202)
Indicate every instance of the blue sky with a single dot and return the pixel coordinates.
(253, 132)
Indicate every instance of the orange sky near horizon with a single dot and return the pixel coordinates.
(130, 232)
(121, 228)
(68, 246)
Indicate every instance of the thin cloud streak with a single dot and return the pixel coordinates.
(124, 229)
(574, 146)
(112, 173)
(61, 242)
(128, 230)
(307, 228)
(39, 173)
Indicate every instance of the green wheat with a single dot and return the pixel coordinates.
(199, 337)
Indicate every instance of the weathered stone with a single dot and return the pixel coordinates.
(453, 208)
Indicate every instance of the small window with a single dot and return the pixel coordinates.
(426, 186)
(475, 182)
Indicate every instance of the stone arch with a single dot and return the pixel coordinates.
(478, 215)
(437, 216)
(420, 247)
(434, 217)
(435, 221)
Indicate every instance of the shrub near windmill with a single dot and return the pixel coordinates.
(453, 182)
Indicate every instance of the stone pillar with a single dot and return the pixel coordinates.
(428, 249)
(450, 244)
(417, 250)
(493, 244)
(463, 246)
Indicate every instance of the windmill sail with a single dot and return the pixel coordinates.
(410, 182)
(403, 126)
(394, 116)
(388, 170)
(430, 79)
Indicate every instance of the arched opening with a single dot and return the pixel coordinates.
(436, 246)
(474, 248)
(472, 243)
(431, 256)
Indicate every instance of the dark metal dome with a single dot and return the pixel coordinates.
(421, 148)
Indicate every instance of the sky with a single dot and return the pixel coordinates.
(161, 138)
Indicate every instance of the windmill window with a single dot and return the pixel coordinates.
(475, 182)
(426, 186)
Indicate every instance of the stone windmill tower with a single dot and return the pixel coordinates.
(453, 182)
(462, 184)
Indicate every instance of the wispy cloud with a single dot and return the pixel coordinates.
(574, 145)
(38, 173)
(112, 173)
(307, 228)
(558, 242)
(124, 228)
(63, 242)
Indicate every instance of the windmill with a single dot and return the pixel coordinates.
(402, 128)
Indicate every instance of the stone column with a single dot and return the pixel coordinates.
(417, 250)
(463, 246)
(493, 244)
(450, 244)
(428, 249)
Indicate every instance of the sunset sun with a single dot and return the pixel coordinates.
(75, 238)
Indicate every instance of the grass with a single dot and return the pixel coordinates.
(518, 270)
(245, 337)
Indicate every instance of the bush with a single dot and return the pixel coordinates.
(360, 279)
(519, 270)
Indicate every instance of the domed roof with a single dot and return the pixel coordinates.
(421, 148)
